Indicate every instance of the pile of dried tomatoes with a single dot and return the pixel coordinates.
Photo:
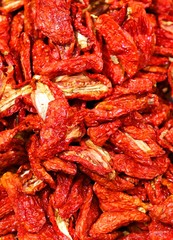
(86, 120)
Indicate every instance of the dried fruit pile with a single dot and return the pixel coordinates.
(86, 120)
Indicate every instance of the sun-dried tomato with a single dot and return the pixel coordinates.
(64, 183)
(111, 220)
(100, 134)
(35, 163)
(30, 16)
(162, 8)
(74, 199)
(25, 49)
(116, 201)
(119, 43)
(86, 122)
(16, 30)
(131, 147)
(55, 121)
(27, 208)
(158, 115)
(159, 231)
(60, 226)
(109, 110)
(56, 164)
(58, 28)
(134, 86)
(84, 86)
(126, 164)
(90, 156)
(110, 181)
(8, 224)
(112, 68)
(30, 183)
(6, 207)
(4, 34)
(156, 192)
(47, 232)
(53, 68)
(89, 212)
(163, 212)
(140, 28)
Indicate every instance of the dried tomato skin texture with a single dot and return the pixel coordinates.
(56, 12)
(117, 183)
(115, 37)
(124, 142)
(35, 162)
(112, 67)
(164, 213)
(64, 183)
(27, 217)
(86, 123)
(116, 201)
(82, 219)
(16, 29)
(128, 165)
(68, 66)
(117, 218)
(73, 201)
(100, 134)
(140, 28)
(8, 224)
(47, 232)
(109, 109)
(4, 34)
(25, 49)
(56, 164)
(55, 121)
(5, 207)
